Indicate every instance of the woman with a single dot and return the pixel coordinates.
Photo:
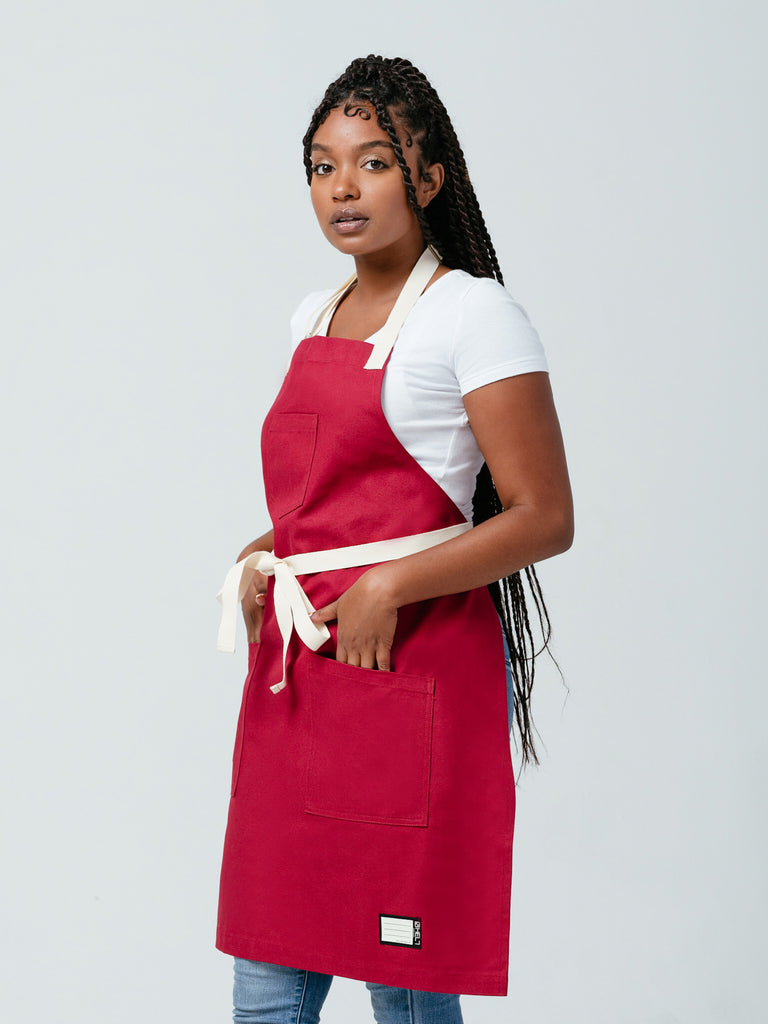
(370, 825)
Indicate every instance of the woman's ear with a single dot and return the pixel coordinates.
(431, 182)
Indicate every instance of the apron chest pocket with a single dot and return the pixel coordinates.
(288, 447)
(371, 743)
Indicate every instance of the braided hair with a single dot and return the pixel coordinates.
(453, 223)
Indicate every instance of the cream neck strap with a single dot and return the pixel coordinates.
(384, 339)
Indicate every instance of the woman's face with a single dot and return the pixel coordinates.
(357, 188)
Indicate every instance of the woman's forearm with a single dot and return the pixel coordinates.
(510, 541)
(264, 543)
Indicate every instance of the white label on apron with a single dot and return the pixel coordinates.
(400, 931)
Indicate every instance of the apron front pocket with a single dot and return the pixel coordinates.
(289, 438)
(371, 743)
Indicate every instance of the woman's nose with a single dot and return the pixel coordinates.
(345, 186)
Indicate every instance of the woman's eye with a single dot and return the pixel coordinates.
(375, 164)
(321, 169)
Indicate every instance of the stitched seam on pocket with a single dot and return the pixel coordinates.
(280, 426)
(413, 689)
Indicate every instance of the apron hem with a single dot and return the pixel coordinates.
(467, 983)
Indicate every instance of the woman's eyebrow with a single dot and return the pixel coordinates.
(374, 144)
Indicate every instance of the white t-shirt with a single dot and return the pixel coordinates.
(462, 333)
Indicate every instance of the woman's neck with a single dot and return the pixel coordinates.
(383, 274)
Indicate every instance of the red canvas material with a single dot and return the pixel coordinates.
(371, 818)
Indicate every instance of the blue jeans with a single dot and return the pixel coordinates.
(268, 994)
(510, 684)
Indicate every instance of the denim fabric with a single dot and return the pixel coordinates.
(407, 1006)
(510, 684)
(269, 994)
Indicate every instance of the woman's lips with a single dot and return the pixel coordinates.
(348, 221)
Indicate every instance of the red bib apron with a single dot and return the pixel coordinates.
(370, 825)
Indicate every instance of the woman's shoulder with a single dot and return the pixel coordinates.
(306, 313)
(477, 296)
(486, 333)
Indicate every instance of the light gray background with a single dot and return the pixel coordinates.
(156, 234)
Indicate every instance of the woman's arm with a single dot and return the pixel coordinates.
(253, 601)
(516, 427)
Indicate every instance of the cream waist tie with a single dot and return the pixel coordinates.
(292, 606)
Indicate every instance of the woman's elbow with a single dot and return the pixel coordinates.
(565, 535)
(560, 528)
(544, 526)
(553, 519)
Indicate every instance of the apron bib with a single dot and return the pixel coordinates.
(371, 816)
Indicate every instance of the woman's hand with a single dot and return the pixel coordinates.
(253, 607)
(255, 596)
(366, 618)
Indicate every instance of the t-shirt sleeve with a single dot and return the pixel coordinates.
(494, 338)
(305, 315)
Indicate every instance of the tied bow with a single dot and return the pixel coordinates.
(292, 606)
